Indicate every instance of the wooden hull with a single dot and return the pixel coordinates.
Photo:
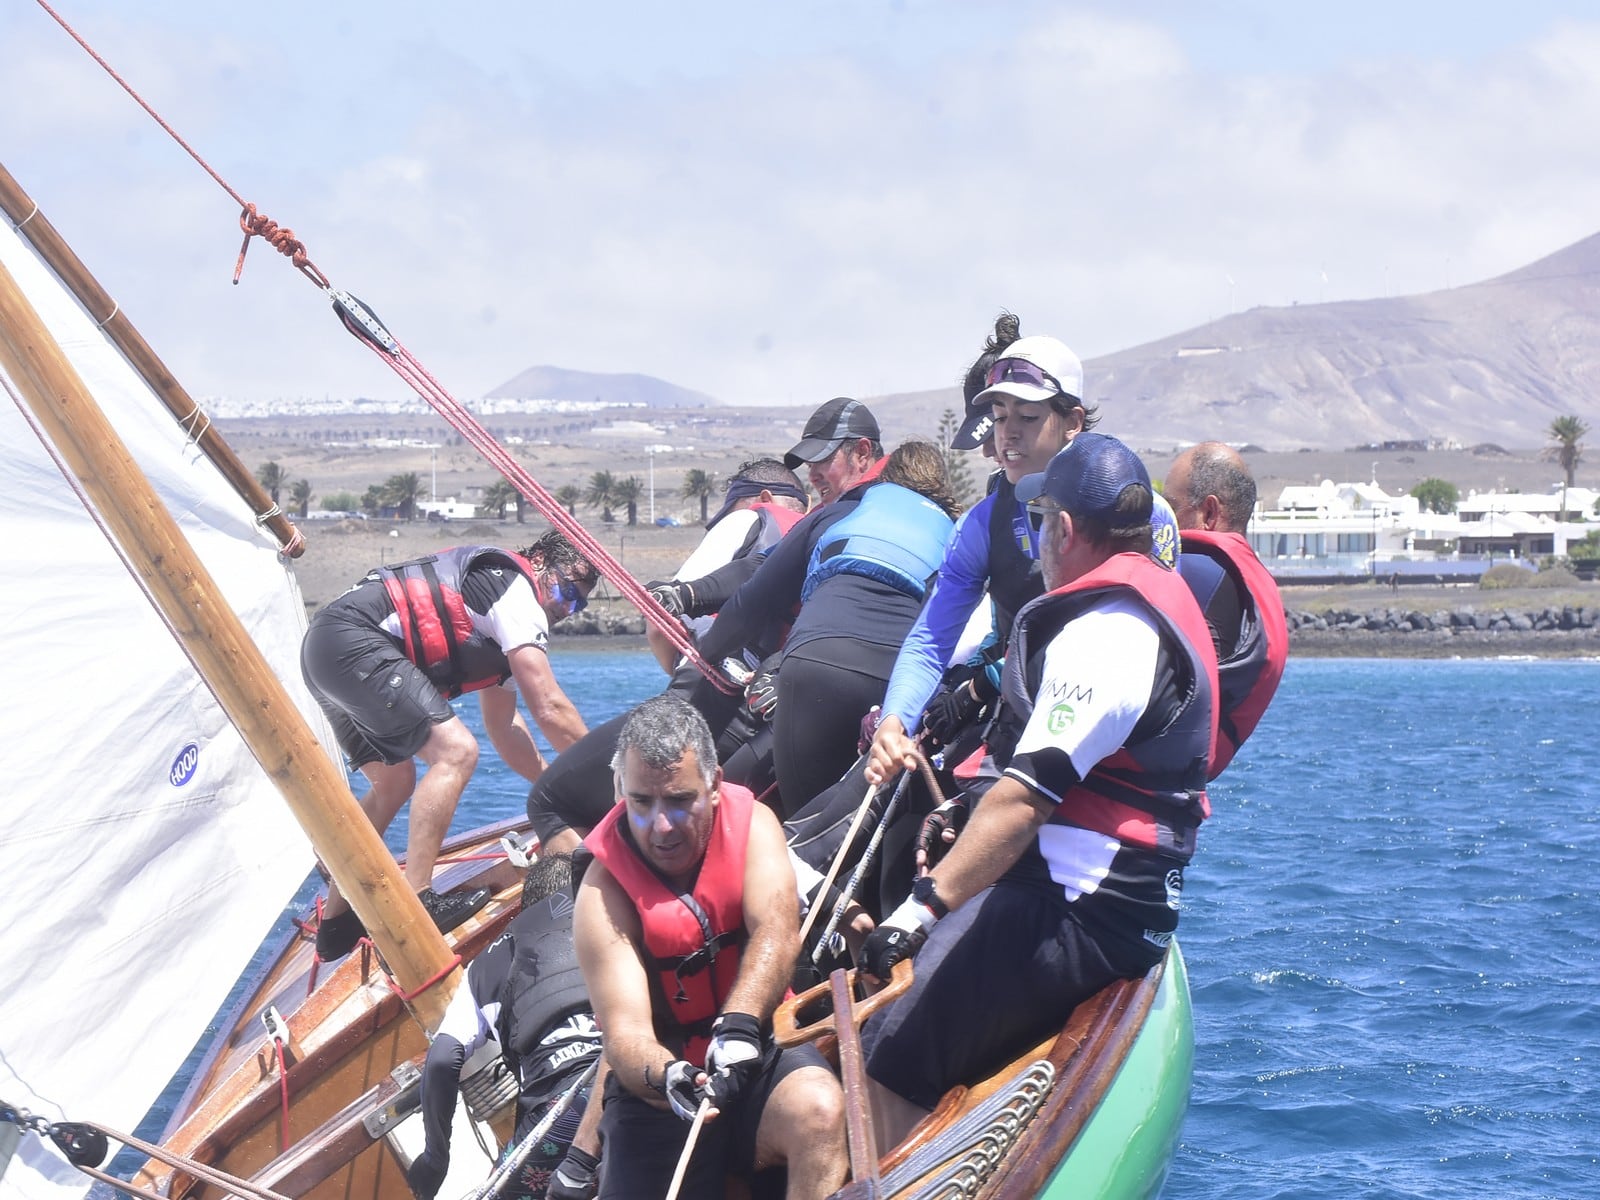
(349, 1031)
(1094, 1112)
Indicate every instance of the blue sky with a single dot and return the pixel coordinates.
(784, 203)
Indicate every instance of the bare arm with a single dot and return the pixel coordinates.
(666, 653)
(555, 715)
(587, 1135)
(513, 740)
(607, 933)
(1001, 828)
(772, 918)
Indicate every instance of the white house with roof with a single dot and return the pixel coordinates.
(1359, 529)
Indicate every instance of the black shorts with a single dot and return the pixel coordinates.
(999, 974)
(643, 1143)
(380, 704)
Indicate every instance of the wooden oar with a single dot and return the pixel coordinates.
(688, 1149)
(863, 1142)
(838, 861)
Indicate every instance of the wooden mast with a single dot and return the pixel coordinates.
(228, 660)
(53, 248)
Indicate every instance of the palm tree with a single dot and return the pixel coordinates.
(628, 491)
(402, 491)
(699, 485)
(601, 494)
(272, 476)
(1567, 433)
(957, 469)
(495, 498)
(300, 496)
(568, 495)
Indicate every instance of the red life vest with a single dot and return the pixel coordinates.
(772, 515)
(436, 630)
(1150, 792)
(692, 941)
(1248, 675)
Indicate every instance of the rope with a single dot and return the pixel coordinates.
(85, 1145)
(360, 321)
(283, 1093)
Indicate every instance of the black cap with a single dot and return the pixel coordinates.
(838, 421)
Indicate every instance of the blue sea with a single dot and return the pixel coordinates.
(1390, 930)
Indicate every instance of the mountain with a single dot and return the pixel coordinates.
(587, 387)
(1494, 361)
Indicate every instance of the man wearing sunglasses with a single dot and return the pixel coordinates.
(385, 659)
(1069, 872)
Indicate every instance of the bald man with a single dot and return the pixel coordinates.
(1213, 494)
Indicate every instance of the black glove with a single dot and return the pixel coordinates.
(426, 1174)
(887, 945)
(669, 593)
(734, 1059)
(931, 845)
(761, 693)
(574, 1178)
(949, 712)
(682, 1089)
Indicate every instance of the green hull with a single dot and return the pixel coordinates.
(1127, 1145)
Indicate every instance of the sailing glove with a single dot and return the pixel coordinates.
(899, 936)
(734, 1059)
(683, 1089)
(671, 595)
(761, 693)
(869, 729)
(574, 1179)
(938, 832)
(426, 1174)
(951, 711)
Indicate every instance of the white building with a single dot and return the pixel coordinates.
(1350, 529)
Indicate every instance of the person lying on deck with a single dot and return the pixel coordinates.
(525, 993)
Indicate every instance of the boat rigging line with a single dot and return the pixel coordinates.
(364, 324)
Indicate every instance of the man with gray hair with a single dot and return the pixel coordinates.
(686, 932)
(1213, 494)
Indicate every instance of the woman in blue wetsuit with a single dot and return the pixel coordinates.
(858, 569)
(1026, 403)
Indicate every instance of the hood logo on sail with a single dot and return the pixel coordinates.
(184, 766)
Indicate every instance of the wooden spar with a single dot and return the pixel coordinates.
(227, 659)
(53, 248)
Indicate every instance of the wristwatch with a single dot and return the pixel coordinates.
(926, 893)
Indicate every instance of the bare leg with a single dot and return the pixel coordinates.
(564, 842)
(391, 787)
(803, 1126)
(451, 753)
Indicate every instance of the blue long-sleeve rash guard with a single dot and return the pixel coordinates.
(962, 584)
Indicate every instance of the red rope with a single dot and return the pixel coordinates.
(408, 997)
(283, 1091)
(402, 362)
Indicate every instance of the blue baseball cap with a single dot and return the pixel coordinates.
(1087, 476)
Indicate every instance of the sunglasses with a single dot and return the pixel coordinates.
(1039, 512)
(569, 593)
(1020, 370)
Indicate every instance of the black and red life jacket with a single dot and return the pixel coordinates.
(1248, 675)
(693, 940)
(1151, 792)
(436, 630)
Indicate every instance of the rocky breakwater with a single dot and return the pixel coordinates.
(1468, 631)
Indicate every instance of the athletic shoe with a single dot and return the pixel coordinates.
(337, 936)
(452, 908)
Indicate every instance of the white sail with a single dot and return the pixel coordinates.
(143, 853)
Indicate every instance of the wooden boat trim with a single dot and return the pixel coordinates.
(1086, 1062)
(240, 1102)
